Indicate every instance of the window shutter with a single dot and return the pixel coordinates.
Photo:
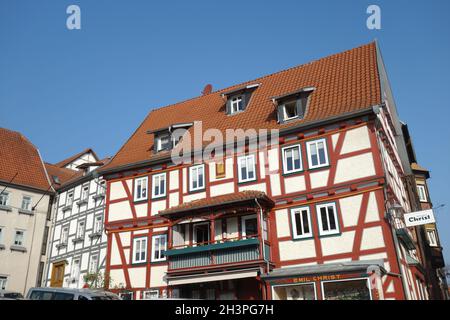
(280, 114)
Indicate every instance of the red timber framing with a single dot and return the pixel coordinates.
(373, 185)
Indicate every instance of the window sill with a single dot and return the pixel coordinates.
(5, 208)
(18, 248)
(2, 247)
(98, 197)
(26, 212)
(247, 181)
(95, 235)
(60, 246)
(76, 240)
(82, 202)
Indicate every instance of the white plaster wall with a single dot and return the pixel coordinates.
(282, 222)
(353, 168)
(337, 245)
(256, 187)
(120, 211)
(137, 277)
(292, 250)
(157, 274)
(221, 189)
(350, 209)
(372, 238)
(319, 179)
(294, 184)
(355, 140)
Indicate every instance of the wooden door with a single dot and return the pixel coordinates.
(57, 275)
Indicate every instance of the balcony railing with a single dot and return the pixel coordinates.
(231, 251)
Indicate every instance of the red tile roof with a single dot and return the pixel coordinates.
(219, 201)
(65, 162)
(344, 82)
(64, 174)
(19, 155)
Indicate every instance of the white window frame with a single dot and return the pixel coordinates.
(5, 195)
(432, 241)
(75, 275)
(22, 244)
(136, 247)
(196, 174)
(80, 234)
(93, 266)
(421, 191)
(84, 194)
(308, 151)
(244, 222)
(27, 200)
(234, 104)
(285, 117)
(319, 218)
(69, 203)
(285, 167)
(159, 141)
(239, 166)
(98, 224)
(64, 239)
(299, 210)
(155, 177)
(159, 249)
(144, 186)
(3, 282)
(102, 188)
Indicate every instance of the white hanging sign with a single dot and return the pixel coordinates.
(419, 218)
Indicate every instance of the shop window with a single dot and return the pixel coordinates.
(346, 290)
(295, 292)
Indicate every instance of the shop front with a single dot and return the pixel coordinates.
(360, 280)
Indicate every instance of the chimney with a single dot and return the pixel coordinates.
(207, 89)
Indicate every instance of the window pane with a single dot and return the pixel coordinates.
(305, 221)
(298, 224)
(323, 215)
(243, 169)
(331, 218)
(321, 148)
(251, 168)
(296, 152)
(314, 159)
(346, 290)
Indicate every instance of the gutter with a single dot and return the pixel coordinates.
(284, 131)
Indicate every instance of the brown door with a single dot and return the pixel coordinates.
(57, 275)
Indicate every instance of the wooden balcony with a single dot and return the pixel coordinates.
(221, 253)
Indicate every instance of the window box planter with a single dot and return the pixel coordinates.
(18, 248)
(2, 247)
(67, 208)
(26, 212)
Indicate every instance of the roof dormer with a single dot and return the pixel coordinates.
(292, 106)
(238, 99)
(167, 138)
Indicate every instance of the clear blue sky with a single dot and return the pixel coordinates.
(68, 90)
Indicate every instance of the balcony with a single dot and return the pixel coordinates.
(237, 251)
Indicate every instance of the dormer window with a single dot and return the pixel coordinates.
(163, 142)
(292, 106)
(167, 138)
(238, 99)
(237, 104)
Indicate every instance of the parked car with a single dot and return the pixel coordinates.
(70, 294)
(10, 295)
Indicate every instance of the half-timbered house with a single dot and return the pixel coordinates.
(316, 215)
(77, 242)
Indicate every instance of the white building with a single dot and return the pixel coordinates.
(25, 198)
(77, 244)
